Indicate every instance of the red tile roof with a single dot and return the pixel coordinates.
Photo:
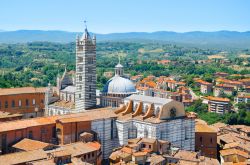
(15, 91)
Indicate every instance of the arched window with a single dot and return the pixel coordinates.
(30, 135)
(172, 112)
(27, 102)
(80, 78)
(6, 104)
(13, 103)
(80, 69)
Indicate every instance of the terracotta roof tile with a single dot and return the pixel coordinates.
(233, 152)
(84, 116)
(140, 154)
(28, 145)
(204, 128)
(15, 91)
(218, 99)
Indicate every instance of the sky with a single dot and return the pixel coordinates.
(112, 16)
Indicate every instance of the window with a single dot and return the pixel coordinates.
(80, 78)
(93, 154)
(4, 143)
(27, 102)
(6, 104)
(42, 101)
(43, 131)
(80, 59)
(30, 135)
(19, 103)
(186, 133)
(33, 101)
(211, 140)
(90, 60)
(80, 96)
(149, 146)
(200, 139)
(80, 69)
(88, 155)
(13, 103)
(90, 78)
(111, 130)
(172, 112)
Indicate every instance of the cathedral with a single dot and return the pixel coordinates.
(75, 92)
(137, 116)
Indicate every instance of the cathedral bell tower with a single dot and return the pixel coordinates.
(85, 96)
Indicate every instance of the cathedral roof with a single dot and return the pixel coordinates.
(69, 89)
(148, 99)
(66, 79)
(119, 85)
(119, 66)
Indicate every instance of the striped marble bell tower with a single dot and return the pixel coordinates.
(85, 96)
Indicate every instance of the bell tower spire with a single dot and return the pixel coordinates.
(85, 82)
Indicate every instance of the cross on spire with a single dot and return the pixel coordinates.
(119, 58)
(85, 23)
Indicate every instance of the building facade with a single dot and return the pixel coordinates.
(205, 140)
(116, 89)
(76, 92)
(158, 118)
(85, 97)
(218, 105)
(28, 101)
(140, 117)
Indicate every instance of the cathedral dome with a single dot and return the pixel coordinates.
(119, 85)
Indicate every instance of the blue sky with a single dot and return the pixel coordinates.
(108, 16)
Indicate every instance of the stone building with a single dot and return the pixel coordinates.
(74, 153)
(116, 89)
(205, 140)
(222, 89)
(140, 117)
(28, 101)
(152, 117)
(76, 93)
(141, 151)
(85, 72)
(218, 105)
